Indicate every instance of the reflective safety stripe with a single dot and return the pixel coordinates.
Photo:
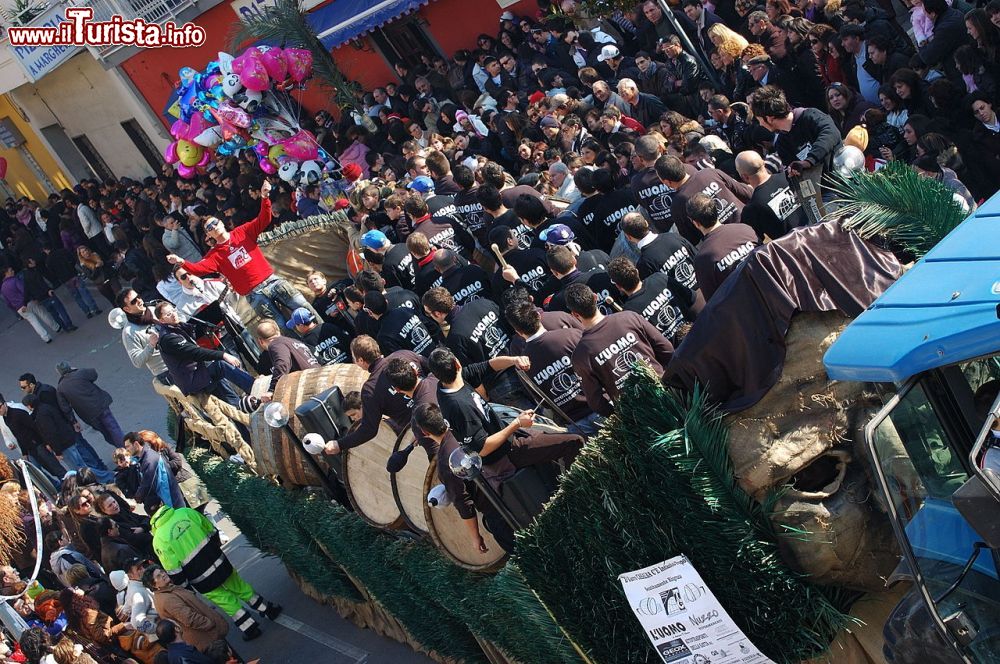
(243, 620)
(196, 551)
(214, 576)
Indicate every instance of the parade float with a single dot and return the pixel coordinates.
(746, 469)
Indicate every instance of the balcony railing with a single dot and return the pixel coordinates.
(151, 11)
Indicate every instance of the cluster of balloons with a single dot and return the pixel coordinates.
(238, 104)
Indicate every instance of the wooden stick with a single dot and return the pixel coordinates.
(610, 301)
(499, 256)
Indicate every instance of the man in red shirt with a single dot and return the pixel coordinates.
(236, 255)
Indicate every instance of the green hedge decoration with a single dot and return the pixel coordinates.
(657, 483)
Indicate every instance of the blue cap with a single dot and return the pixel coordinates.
(421, 184)
(374, 240)
(557, 234)
(300, 316)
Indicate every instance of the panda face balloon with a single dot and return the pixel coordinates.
(289, 172)
(310, 172)
(231, 85)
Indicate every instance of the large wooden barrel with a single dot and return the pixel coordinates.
(451, 537)
(367, 481)
(276, 453)
(408, 485)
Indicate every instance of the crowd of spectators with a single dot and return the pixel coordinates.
(539, 211)
(100, 595)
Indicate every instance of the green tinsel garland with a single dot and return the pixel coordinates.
(260, 510)
(442, 606)
(369, 555)
(657, 483)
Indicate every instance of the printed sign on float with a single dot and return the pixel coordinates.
(682, 617)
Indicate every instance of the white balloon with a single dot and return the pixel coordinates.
(849, 160)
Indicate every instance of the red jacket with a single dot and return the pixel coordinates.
(240, 260)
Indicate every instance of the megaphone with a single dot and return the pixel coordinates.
(314, 444)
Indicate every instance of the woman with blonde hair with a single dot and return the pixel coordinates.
(737, 81)
(727, 41)
(90, 266)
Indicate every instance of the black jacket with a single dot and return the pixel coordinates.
(185, 359)
(26, 433)
(813, 135)
(78, 391)
(646, 110)
(36, 287)
(53, 427)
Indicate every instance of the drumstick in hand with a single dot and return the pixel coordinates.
(499, 256)
(611, 303)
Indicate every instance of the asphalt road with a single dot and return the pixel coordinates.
(306, 631)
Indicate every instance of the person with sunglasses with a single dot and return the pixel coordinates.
(236, 255)
(197, 293)
(139, 336)
(197, 370)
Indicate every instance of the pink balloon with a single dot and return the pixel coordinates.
(300, 63)
(301, 147)
(267, 166)
(274, 62)
(254, 76)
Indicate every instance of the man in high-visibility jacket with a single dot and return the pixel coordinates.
(190, 550)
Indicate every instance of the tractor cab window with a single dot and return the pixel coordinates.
(920, 465)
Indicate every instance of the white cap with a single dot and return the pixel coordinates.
(119, 579)
(506, 16)
(608, 52)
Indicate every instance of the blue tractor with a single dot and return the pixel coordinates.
(931, 345)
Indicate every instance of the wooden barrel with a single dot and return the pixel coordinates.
(451, 536)
(408, 484)
(368, 483)
(276, 453)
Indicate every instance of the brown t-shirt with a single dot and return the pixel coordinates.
(720, 253)
(288, 356)
(607, 351)
(551, 356)
(378, 398)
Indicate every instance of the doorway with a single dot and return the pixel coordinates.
(76, 166)
(405, 40)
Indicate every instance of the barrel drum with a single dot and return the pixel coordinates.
(408, 484)
(276, 453)
(450, 535)
(369, 484)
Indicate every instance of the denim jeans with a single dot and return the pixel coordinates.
(108, 426)
(56, 309)
(73, 456)
(587, 426)
(506, 389)
(81, 295)
(88, 453)
(223, 374)
(269, 298)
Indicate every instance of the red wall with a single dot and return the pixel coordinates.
(453, 23)
(366, 67)
(154, 71)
